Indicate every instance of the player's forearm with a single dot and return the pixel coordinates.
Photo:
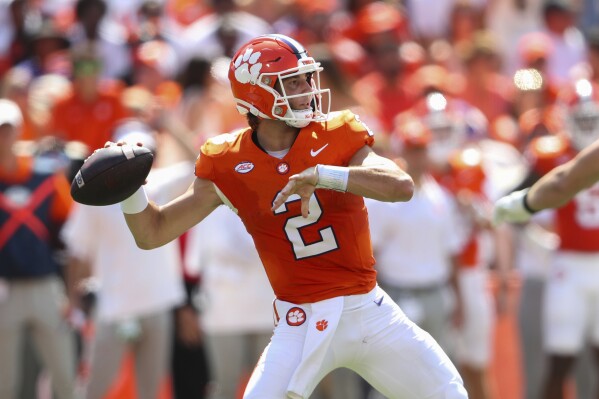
(146, 227)
(550, 192)
(156, 226)
(382, 183)
(561, 184)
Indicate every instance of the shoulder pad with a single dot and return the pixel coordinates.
(219, 145)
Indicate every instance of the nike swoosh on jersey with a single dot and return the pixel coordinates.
(379, 301)
(315, 153)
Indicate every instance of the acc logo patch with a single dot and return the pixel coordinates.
(244, 167)
(296, 317)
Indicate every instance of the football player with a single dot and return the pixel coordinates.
(297, 177)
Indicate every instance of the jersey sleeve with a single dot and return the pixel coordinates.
(204, 167)
(357, 134)
(358, 130)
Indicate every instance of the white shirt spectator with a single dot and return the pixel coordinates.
(414, 241)
(569, 50)
(509, 23)
(132, 282)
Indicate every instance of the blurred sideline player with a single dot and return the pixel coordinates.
(296, 178)
(569, 165)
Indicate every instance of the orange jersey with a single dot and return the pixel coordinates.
(309, 259)
(577, 222)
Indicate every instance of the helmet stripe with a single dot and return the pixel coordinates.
(297, 48)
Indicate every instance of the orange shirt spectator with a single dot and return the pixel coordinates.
(89, 113)
(88, 122)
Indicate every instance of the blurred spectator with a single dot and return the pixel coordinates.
(465, 21)
(208, 106)
(484, 86)
(137, 316)
(48, 51)
(382, 92)
(567, 40)
(222, 32)
(155, 63)
(104, 37)
(509, 20)
(19, 19)
(185, 12)
(34, 202)
(15, 87)
(433, 20)
(588, 17)
(44, 92)
(89, 113)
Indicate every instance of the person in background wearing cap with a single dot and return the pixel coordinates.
(49, 50)
(33, 206)
(137, 289)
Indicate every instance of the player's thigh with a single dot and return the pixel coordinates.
(277, 364)
(564, 311)
(404, 361)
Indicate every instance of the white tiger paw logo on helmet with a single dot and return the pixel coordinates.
(247, 68)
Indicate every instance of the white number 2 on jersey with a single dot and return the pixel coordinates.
(294, 224)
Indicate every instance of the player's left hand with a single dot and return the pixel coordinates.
(302, 184)
(511, 209)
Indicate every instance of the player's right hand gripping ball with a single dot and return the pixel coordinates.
(111, 175)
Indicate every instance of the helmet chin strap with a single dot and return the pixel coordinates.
(301, 117)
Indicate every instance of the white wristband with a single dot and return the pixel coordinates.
(136, 202)
(332, 177)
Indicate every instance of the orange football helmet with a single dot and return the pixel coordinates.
(261, 63)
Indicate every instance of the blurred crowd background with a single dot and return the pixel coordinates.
(474, 98)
